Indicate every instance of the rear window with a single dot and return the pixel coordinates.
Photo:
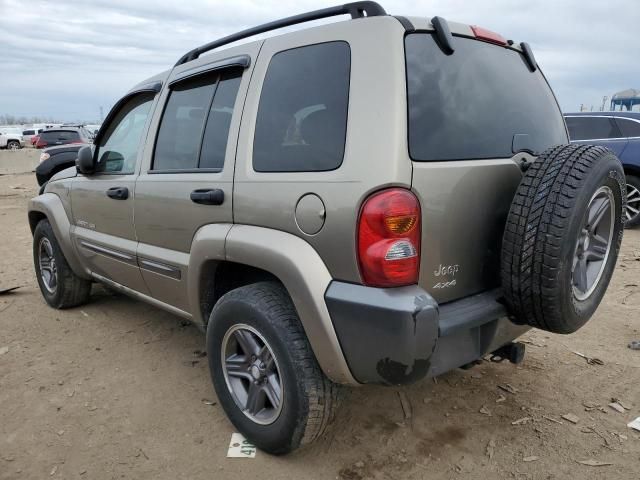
(471, 104)
(592, 128)
(59, 135)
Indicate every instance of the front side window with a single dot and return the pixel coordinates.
(592, 128)
(118, 149)
(629, 128)
(195, 124)
(302, 116)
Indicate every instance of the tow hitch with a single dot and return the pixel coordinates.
(514, 352)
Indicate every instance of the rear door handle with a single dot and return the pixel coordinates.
(208, 196)
(118, 193)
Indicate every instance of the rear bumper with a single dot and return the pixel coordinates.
(397, 336)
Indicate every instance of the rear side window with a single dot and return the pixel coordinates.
(629, 128)
(592, 128)
(471, 104)
(302, 116)
(195, 124)
(29, 132)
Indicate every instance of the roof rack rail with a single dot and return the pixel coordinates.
(355, 9)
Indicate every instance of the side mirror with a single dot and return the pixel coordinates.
(85, 162)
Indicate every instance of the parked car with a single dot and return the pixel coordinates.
(11, 138)
(56, 159)
(619, 131)
(29, 134)
(92, 128)
(327, 229)
(63, 136)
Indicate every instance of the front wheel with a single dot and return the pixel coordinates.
(264, 372)
(60, 286)
(13, 145)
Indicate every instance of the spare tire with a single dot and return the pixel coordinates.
(562, 237)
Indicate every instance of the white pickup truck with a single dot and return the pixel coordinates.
(11, 138)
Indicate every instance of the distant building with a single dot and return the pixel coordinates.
(626, 98)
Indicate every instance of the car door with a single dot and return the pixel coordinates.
(102, 203)
(187, 178)
(598, 130)
(630, 128)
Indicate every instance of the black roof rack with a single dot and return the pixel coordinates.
(355, 9)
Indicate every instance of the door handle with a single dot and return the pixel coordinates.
(208, 196)
(118, 193)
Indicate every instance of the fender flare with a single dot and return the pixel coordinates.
(295, 263)
(50, 205)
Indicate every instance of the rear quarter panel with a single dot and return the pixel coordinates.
(375, 150)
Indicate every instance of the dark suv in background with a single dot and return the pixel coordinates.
(620, 132)
(63, 136)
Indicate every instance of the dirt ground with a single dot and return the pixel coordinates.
(117, 389)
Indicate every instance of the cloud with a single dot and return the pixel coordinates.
(67, 58)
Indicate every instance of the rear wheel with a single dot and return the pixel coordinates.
(632, 213)
(264, 371)
(562, 237)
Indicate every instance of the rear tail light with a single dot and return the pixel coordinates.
(488, 35)
(389, 238)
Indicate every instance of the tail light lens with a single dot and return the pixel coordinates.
(389, 238)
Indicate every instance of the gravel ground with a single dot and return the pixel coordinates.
(118, 389)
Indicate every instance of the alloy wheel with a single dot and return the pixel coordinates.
(633, 203)
(252, 374)
(594, 243)
(48, 267)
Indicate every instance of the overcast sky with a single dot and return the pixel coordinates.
(67, 58)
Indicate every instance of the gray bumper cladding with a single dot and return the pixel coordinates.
(396, 336)
(388, 335)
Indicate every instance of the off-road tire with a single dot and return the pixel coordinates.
(633, 181)
(71, 290)
(309, 397)
(542, 230)
(13, 145)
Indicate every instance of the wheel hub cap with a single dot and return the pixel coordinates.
(594, 243)
(48, 267)
(251, 373)
(633, 203)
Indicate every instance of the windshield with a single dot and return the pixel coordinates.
(469, 105)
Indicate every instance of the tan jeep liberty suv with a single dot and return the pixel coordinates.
(376, 200)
